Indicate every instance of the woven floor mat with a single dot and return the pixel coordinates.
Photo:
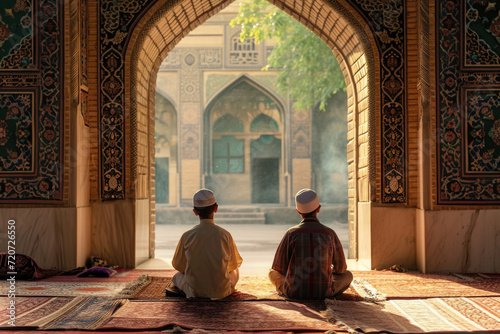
(393, 285)
(220, 316)
(417, 315)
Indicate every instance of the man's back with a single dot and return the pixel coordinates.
(310, 262)
(206, 253)
(307, 256)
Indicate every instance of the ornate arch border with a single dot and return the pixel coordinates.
(387, 21)
(126, 26)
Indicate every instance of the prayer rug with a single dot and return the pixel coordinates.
(410, 276)
(417, 285)
(248, 288)
(240, 315)
(417, 315)
(135, 286)
(58, 312)
(262, 288)
(79, 288)
(29, 310)
(123, 276)
(54, 289)
(82, 313)
(155, 290)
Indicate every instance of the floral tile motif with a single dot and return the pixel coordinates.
(468, 104)
(16, 38)
(482, 34)
(31, 110)
(482, 132)
(387, 21)
(116, 20)
(16, 132)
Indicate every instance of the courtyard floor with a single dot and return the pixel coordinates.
(256, 243)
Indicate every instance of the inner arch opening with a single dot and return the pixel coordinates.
(155, 42)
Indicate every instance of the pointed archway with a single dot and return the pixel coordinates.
(164, 23)
(243, 154)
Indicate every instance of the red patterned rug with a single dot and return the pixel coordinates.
(123, 276)
(68, 289)
(248, 288)
(417, 285)
(76, 288)
(58, 312)
(83, 313)
(418, 315)
(219, 316)
(155, 290)
(29, 310)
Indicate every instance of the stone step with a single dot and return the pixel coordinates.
(239, 214)
(233, 220)
(249, 215)
(247, 209)
(240, 217)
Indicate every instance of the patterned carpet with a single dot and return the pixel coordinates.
(377, 301)
(118, 285)
(155, 290)
(248, 288)
(413, 302)
(219, 316)
(84, 313)
(123, 276)
(418, 315)
(30, 310)
(417, 285)
(59, 312)
(53, 289)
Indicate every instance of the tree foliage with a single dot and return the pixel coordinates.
(308, 70)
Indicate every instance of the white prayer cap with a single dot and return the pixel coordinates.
(306, 201)
(203, 198)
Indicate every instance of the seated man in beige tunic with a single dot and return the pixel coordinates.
(206, 257)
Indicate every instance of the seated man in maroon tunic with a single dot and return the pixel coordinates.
(310, 262)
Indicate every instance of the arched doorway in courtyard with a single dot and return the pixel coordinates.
(243, 154)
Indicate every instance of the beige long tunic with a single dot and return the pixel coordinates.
(206, 254)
